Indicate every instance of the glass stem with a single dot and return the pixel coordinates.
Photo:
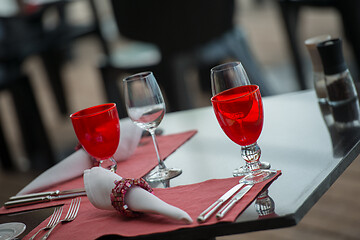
(161, 162)
(251, 154)
(113, 167)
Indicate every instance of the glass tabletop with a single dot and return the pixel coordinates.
(295, 139)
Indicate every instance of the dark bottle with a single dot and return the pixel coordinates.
(341, 92)
(318, 70)
(319, 76)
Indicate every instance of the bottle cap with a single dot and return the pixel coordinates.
(332, 56)
(311, 45)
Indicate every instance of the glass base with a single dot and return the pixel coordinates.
(113, 168)
(160, 184)
(109, 164)
(162, 174)
(242, 171)
(258, 176)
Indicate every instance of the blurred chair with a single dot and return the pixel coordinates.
(27, 31)
(290, 10)
(35, 138)
(192, 34)
(134, 58)
(33, 132)
(59, 41)
(23, 34)
(18, 40)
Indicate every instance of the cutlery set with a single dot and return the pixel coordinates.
(55, 218)
(235, 194)
(217, 204)
(28, 199)
(71, 215)
(33, 198)
(43, 194)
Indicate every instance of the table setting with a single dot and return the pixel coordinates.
(134, 166)
(105, 187)
(182, 196)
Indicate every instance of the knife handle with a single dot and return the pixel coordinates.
(33, 195)
(226, 208)
(233, 200)
(209, 211)
(27, 201)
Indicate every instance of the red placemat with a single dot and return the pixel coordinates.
(92, 223)
(137, 165)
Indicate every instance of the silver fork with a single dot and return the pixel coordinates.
(55, 217)
(71, 215)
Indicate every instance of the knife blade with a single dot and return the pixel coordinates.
(29, 201)
(232, 202)
(211, 209)
(44, 194)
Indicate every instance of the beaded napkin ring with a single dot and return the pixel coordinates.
(118, 193)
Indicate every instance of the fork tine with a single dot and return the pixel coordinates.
(70, 209)
(76, 208)
(52, 216)
(56, 216)
(71, 214)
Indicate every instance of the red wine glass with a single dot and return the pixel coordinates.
(239, 110)
(98, 131)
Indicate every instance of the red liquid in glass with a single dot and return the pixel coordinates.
(239, 112)
(98, 130)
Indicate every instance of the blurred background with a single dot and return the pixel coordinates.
(261, 23)
(89, 57)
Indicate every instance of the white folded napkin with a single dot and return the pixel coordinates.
(75, 164)
(98, 185)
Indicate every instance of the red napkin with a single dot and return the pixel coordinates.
(144, 158)
(137, 165)
(92, 223)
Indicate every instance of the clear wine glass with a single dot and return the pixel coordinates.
(98, 131)
(239, 111)
(146, 108)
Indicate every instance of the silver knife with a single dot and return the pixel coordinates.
(43, 194)
(234, 200)
(210, 210)
(29, 201)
